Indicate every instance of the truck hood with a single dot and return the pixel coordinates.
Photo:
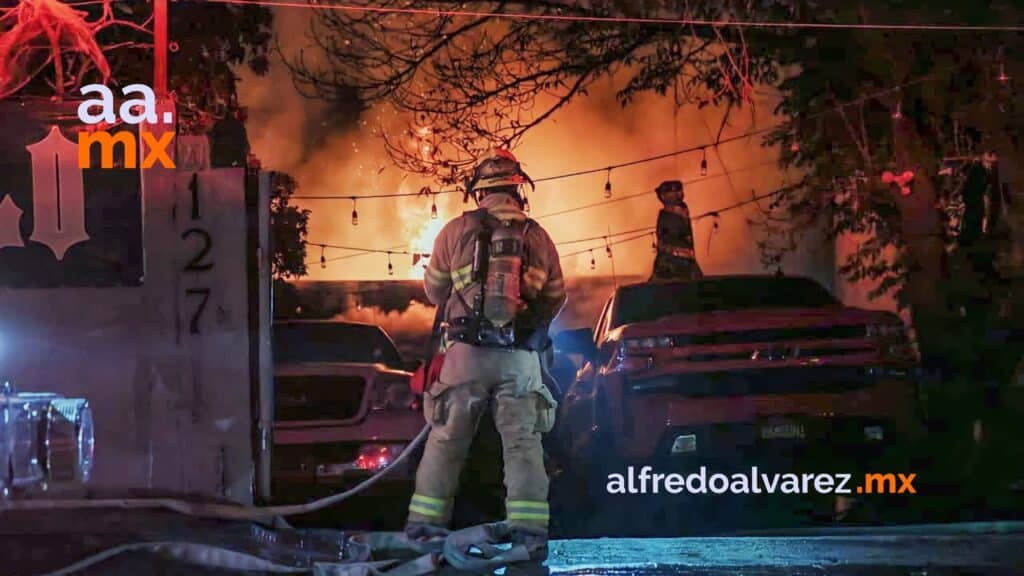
(336, 368)
(755, 318)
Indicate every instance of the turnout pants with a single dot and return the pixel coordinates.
(474, 379)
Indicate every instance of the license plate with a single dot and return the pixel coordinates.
(782, 431)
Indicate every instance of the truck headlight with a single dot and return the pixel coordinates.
(392, 393)
(649, 343)
(884, 330)
(874, 433)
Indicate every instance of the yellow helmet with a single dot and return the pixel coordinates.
(500, 169)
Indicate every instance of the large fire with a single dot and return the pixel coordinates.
(422, 242)
(570, 209)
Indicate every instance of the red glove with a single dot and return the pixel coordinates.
(426, 374)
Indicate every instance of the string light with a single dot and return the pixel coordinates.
(654, 243)
(391, 268)
(608, 184)
(433, 207)
(703, 162)
(1002, 73)
(323, 259)
(607, 247)
(665, 155)
(642, 233)
(355, 214)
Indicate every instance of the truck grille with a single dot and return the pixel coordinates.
(774, 335)
(797, 380)
(318, 397)
(777, 353)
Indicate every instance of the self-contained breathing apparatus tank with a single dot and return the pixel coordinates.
(504, 270)
(497, 267)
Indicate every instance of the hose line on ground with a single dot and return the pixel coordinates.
(220, 511)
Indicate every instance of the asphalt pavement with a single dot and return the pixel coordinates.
(911, 551)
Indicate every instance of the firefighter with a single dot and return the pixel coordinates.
(675, 259)
(497, 274)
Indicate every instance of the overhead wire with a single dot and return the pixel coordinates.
(627, 19)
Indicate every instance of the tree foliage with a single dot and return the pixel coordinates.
(470, 84)
(289, 226)
(205, 42)
(857, 103)
(111, 42)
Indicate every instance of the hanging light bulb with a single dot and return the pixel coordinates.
(433, 208)
(593, 263)
(654, 243)
(898, 113)
(355, 214)
(323, 259)
(703, 162)
(1002, 73)
(391, 268)
(608, 185)
(607, 247)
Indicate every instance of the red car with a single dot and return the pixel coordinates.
(734, 370)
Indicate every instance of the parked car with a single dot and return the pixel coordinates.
(343, 408)
(734, 371)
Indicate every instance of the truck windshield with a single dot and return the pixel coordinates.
(333, 342)
(647, 302)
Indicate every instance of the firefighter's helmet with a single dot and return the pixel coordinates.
(500, 169)
(670, 192)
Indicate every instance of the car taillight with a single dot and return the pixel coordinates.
(375, 457)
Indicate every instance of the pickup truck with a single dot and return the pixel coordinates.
(733, 372)
(343, 408)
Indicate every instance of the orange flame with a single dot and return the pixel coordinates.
(422, 242)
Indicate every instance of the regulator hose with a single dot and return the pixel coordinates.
(216, 510)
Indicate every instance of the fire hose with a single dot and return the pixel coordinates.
(472, 549)
(469, 549)
(219, 510)
(215, 557)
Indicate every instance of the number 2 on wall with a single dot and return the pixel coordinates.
(197, 264)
